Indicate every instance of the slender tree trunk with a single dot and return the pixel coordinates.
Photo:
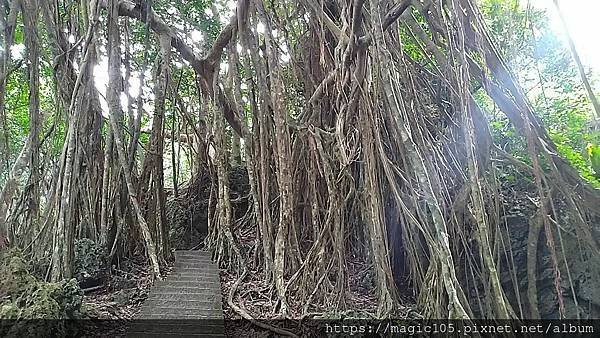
(7, 25)
(30, 19)
(106, 202)
(584, 79)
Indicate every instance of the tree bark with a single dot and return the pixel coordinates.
(30, 20)
(116, 119)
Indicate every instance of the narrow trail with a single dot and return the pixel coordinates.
(187, 303)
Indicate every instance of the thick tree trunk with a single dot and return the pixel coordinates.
(152, 169)
(116, 119)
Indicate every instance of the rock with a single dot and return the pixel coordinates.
(122, 296)
(584, 269)
(27, 297)
(90, 266)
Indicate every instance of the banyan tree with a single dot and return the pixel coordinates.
(358, 126)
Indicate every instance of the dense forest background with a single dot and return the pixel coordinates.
(437, 159)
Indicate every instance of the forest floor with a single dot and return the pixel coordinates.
(120, 298)
(259, 300)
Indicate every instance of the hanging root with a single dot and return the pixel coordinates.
(244, 314)
(358, 148)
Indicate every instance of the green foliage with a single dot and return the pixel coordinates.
(192, 16)
(410, 47)
(544, 66)
(593, 153)
(568, 121)
(17, 110)
(508, 25)
(17, 93)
